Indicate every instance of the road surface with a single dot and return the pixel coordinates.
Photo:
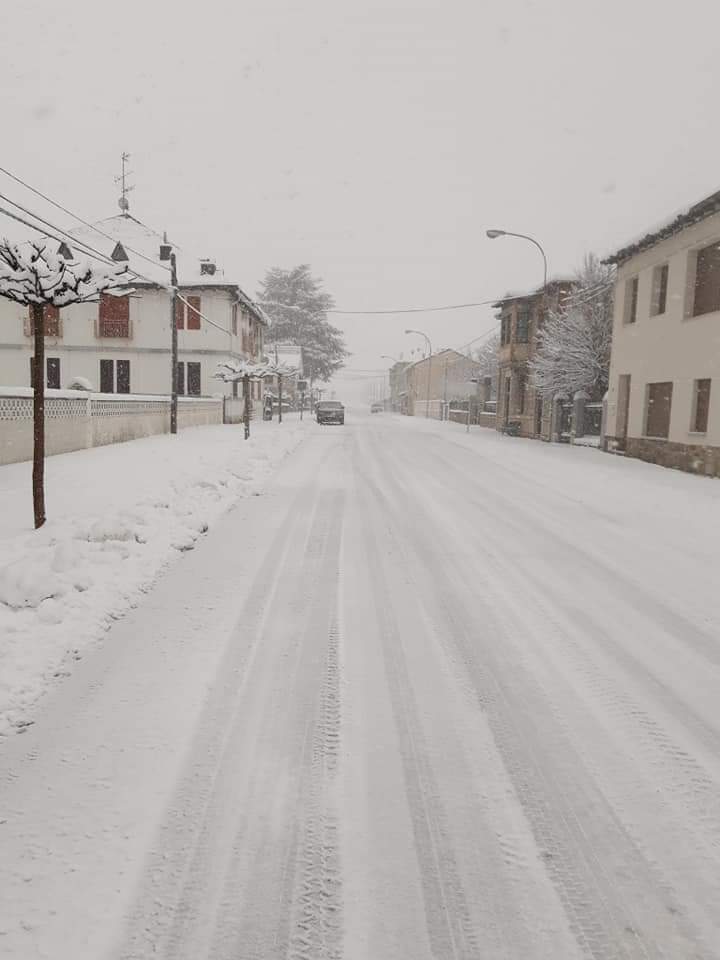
(429, 699)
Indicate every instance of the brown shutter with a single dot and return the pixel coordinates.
(179, 314)
(194, 309)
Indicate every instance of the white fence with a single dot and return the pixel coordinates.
(75, 420)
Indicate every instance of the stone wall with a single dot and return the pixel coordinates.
(693, 458)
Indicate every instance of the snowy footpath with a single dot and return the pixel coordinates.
(117, 516)
(433, 696)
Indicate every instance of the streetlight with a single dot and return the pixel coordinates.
(429, 346)
(494, 234)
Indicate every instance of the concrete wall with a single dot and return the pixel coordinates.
(674, 346)
(76, 420)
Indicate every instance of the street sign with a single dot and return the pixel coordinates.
(302, 386)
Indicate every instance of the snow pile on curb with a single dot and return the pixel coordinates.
(118, 516)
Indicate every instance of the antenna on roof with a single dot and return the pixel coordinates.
(123, 202)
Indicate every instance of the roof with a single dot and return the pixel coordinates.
(531, 294)
(123, 236)
(679, 221)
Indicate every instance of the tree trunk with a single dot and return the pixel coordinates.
(38, 475)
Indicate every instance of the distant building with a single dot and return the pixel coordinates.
(521, 317)
(122, 345)
(398, 386)
(433, 383)
(664, 394)
(291, 355)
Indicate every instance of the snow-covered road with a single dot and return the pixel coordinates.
(434, 696)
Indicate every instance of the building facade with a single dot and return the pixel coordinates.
(520, 318)
(123, 344)
(663, 401)
(433, 383)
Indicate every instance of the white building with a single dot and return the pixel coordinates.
(664, 394)
(122, 345)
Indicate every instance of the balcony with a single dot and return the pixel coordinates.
(113, 329)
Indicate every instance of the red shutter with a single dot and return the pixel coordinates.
(194, 308)
(179, 314)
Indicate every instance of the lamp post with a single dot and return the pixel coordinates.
(494, 234)
(429, 346)
(173, 345)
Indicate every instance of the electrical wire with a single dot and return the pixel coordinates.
(451, 306)
(14, 216)
(85, 223)
(67, 237)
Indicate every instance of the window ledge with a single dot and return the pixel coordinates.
(697, 433)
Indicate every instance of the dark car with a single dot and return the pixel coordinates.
(330, 411)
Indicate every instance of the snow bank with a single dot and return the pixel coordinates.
(118, 515)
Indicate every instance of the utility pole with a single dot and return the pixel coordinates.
(279, 398)
(173, 345)
(38, 472)
(246, 410)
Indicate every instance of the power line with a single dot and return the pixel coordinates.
(45, 232)
(88, 250)
(451, 306)
(85, 223)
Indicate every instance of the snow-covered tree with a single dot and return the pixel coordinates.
(233, 371)
(573, 345)
(32, 275)
(297, 307)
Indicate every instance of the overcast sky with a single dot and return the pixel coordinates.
(376, 140)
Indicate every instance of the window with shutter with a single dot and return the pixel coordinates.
(123, 376)
(659, 290)
(114, 316)
(107, 376)
(181, 379)
(51, 321)
(193, 379)
(53, 373)
(193, 313)
(707, 280)
(701, 406)
(659, 405)
(179, 314)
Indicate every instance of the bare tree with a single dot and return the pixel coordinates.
(573, 351)
(35, 277)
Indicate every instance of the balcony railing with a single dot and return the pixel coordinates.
(114, 328)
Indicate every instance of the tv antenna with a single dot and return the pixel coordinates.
(125, 188)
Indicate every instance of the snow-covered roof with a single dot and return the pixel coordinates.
(126, 239)
(667, 228)
(553, 282)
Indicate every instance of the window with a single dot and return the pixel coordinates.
(114, 376)
(659, 290)
(701, 406)
(123, 376)
(193, 313)
(505, 331)
(187, 315)
(181, 379)
(114, 316)
(707, 280)
(523, 325)
(52, 372)
(193, 379)
(659, 403)
(51, 321)
(631, 300)
(521, 392)
(234, 319)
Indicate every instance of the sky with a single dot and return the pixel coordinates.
(376, 140)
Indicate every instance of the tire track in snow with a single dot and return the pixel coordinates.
(317, 933)
(449, 925)
(584, 848)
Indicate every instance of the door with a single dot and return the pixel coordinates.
(538, 416)
(193, 379)
(53, 373)
(506, 400)
(623, 410)
(123, 376)
(107, 377)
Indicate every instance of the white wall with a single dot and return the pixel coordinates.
(674, 346)
(148, 349)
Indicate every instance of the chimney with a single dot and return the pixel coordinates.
(207, 268)
(165, 248)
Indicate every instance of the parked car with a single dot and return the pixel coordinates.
(330, 411)
(377, 408)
